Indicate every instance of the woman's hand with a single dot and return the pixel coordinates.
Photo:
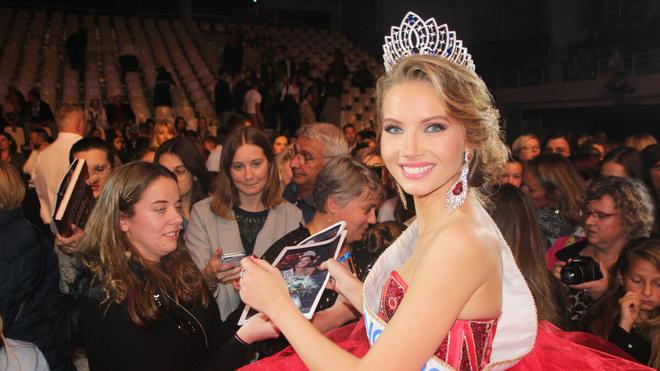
(262, 287)
(556, 270)
(630, 304)
(70, 244)
(596, 289)
(216, 271)
(343, 280)
(257, 328)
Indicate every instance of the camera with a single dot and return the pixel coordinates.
(579, 270)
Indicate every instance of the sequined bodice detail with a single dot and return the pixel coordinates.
(467, 346)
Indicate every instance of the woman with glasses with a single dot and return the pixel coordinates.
(615, 211)
(145, 305)
(246, 215)
(181, 156)
(526, 147)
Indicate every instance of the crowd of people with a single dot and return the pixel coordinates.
(450, 234)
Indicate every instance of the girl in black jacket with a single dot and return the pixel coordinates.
(146, 306)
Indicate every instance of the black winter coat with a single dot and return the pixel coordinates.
(29, 279)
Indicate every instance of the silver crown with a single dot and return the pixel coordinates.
(417, 36)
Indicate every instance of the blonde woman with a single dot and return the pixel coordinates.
(450, 277)
(163, 131)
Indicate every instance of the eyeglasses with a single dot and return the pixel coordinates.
(597, 215)
(302, 157)
(180, 172)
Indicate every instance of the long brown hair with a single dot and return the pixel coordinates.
(124, 275)
(514, 215)
(562, 183)
(601, 316)
(226, 196)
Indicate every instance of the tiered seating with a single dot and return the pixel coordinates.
(162, 58)
(136, 95)
(33, 55)
(12, 49)
(70, 85)
(49, 72)
(318, 48)
(110, 63)
(200, 70)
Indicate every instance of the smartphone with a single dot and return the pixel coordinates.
(232, 257)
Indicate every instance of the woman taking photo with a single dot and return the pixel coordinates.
(616, 210)
(181, 156)
(628, 315)
(245, 215)
(147, 306)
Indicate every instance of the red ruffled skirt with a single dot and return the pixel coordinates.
(554, 350)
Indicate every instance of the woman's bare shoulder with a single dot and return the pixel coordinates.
(465, 236)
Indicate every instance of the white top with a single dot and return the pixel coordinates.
(21, 355)
(250, 101)
(213, 161)
(28, 168)
(50, 168)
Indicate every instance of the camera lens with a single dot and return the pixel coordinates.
(570, 275)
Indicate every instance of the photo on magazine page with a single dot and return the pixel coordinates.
(299, 266)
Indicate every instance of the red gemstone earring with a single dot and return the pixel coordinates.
(458, 192)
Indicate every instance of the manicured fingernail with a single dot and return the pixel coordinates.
(254, 257)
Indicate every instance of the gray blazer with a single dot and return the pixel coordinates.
(207, 232)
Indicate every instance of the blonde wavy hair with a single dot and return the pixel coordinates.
(468, 101)
(124, 275)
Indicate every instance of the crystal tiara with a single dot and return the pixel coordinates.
(417, 36)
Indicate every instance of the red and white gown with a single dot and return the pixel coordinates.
(513, 340)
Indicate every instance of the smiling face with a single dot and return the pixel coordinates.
(98, 166)
(183, 176)
(249, 170)
(422, 147)
(643, 278)
(154, 226)
(304, 261)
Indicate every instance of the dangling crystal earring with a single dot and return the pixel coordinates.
(402, 196)
(458, 192)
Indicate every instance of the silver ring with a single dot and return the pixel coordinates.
(240, 275)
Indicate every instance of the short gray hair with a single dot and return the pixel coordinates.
(329, 136)
(345, 179)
